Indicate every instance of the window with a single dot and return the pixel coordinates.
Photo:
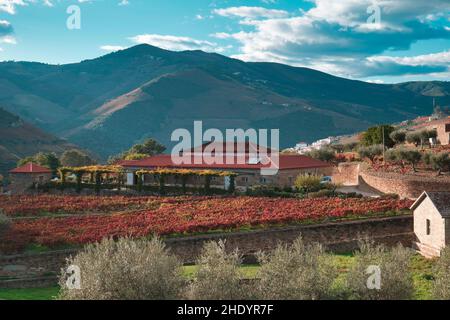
(428, 227)
(263, 180)
(244, 179)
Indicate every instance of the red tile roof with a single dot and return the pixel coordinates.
(285, 162)
(31, 168)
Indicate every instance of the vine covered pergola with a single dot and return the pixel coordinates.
(183, 175)
(96, 174)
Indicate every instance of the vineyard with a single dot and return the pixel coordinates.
(144, 216)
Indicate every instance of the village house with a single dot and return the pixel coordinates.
(443, 132)
(249, 171)
(28, 175)
(432, 222)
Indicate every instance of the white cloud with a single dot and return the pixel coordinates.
(176, 43)
(111, 48)
(251, 12)
(335, 36)
(8, 40)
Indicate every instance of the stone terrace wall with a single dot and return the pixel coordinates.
(406, 186)
(338, 237)
(346, 174)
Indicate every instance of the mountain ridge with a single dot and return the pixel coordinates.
(108, 103)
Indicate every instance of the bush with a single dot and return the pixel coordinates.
(218, 276)
(370, 152)
(398, 136)
(396, 280)
(410, 156)
(324, 154)
(441, 284)
(5, 223)
(125, 270)
(374, 136)
(306, 183)
(296, 272)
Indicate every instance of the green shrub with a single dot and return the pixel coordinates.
(218, 276)
(370, 152)
(308, 183)
(125, 270)
(298, 272)
(396, 279)
(441, 284)
(324, 154)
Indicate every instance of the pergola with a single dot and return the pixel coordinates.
(183, 175)
(96, 175)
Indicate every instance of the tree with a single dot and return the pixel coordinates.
(398, 136)
(135, 156)
(410, 156)
(76, 158)
(299, 272)
(125, 270)
(370, 152)
(324, 154)
(414, 138)
(149, 147)
(420, 137)
(374, 136)
(218, 276)
(440, 162)
(385, 269)
(306, 183)
(48, 160)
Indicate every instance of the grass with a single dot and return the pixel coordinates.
(29, 294)
(421, 268)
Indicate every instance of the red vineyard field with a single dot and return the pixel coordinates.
(183, 217)
(18, 206)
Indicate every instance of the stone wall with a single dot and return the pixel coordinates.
(21, 182)
(346, 174)
(338, 237)
(406, 186)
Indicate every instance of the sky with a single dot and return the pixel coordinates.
(381, 41)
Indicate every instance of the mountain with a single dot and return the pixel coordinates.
(109, 103)
(19, 139)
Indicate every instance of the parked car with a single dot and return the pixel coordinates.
(326, 180)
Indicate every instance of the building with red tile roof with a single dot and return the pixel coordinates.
(244, 161)
(30, 168)
(28, 176)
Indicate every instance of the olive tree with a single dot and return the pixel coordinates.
(299, 271)
(440, 161)
(125, 270)
(398, 136)
(370, 152)
(380, 273)
(218, 276)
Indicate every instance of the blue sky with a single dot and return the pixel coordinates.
(371, 40)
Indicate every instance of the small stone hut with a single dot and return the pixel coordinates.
(26, 176)
(432, 222)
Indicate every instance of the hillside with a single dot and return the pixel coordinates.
(109, 103)
(19, 139)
